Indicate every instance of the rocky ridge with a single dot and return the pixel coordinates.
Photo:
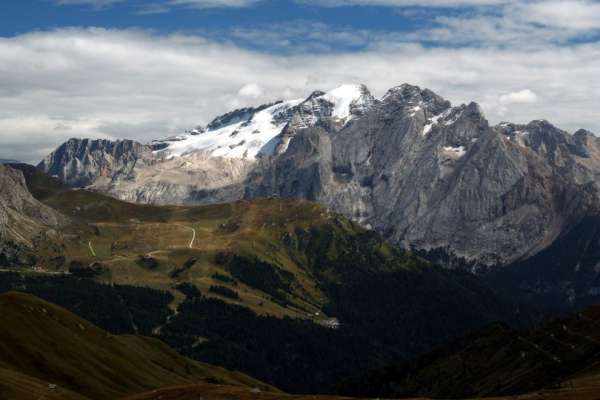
(22, 218)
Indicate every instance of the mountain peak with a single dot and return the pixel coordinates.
(348, 98)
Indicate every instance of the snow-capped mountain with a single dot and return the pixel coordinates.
(424, 173)
(253, 132)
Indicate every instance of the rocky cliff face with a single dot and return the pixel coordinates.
(427, 175)
(22, 217)
(432, 176)
(82, 162)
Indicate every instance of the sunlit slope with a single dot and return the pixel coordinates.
(163, 246)
(41, 343)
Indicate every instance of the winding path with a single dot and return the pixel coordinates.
(193, 237)
(92, 249)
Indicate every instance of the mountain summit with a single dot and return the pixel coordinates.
(431, 176)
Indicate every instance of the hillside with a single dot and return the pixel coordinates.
(562, 277)
(42, 345)
(560, 357)
(268, 271)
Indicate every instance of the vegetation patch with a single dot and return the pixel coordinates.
(261, 275)
(224, 278)
(147, 262)
(225, 292)
(87, 271)
(190, 262)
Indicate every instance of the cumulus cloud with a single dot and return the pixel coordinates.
(131, 83)
(251, 90)
(522, 96)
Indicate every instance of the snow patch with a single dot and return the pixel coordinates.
(244, 139)
(259, 133)
(342, 98)
(454, 152)
(434, 120)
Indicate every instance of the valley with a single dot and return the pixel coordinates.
(269, 271)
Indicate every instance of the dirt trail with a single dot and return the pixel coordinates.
(193, 237)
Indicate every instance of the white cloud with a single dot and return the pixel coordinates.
(202, 4)
(164, 6)
(403, 3)
(566, 14)
(128, 83)
(522, 96)
(93, 3)
(251, 90)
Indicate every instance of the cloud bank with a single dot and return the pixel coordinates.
(136, 84)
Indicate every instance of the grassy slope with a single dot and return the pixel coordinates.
(500, 361)
(119, 232)
(43, 342)
(584, 386)
(17, 386)
(284, 258)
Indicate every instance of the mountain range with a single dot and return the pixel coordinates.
(434, 178)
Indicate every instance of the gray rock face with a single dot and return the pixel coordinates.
(21, 216)
(427, 175)
(80, 162)
(431, 176)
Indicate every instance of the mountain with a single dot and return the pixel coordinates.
(214, 281)
(23, 220)
(427, 175)
(560, 356)
(48, 352)
(3, 161)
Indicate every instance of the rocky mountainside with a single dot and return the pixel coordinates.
(428, 175)
(23, 219)
(83, 162)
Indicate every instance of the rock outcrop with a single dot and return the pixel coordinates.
(22, 218)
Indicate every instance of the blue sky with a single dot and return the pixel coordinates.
(217, 22)
(26, 15)
(148, 69)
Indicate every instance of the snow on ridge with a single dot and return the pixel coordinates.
(244, 139)
(259, 133)
(454, 152)
(342, 98)
(435, 119)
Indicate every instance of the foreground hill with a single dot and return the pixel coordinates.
(584, 386)
(42, 346)
(48, 353)
(561, 356)
(233, 284)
